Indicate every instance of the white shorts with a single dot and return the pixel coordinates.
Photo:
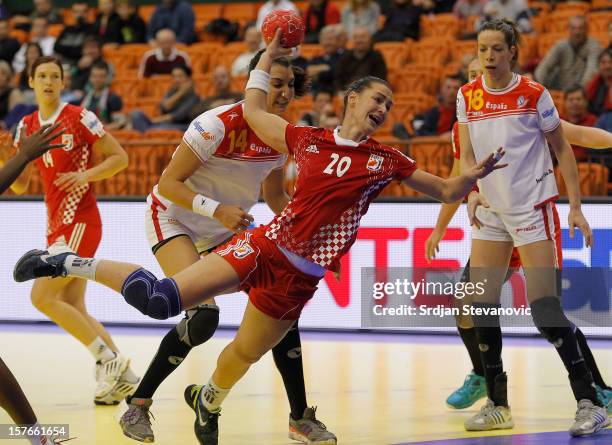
(539, 224)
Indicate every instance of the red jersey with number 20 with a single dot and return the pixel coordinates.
(81, 130)
(336, 181)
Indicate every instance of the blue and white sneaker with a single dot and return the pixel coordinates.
(604, 395)
(473, 389)
(206, 426)
(40, 263)
(589, 419)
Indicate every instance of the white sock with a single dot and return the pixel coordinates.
(100, 350)
(81, 267)
(212, 396)
(129, 376)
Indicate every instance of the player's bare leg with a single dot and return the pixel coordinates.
(489, 264)
(543, 294)
(258, 333)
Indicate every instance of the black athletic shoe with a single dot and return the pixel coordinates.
(39, 263)
(206, 423)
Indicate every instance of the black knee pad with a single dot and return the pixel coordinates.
(550, 320)
(199, 324)
(158, 299)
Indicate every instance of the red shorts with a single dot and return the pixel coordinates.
(276, 287)
(82, 237)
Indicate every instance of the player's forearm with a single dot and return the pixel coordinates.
(447, 211)
(11, 171)
(177, 192)
(455, 189)
(590, 137)
(569, 171)
(109, 167)
(277, 203)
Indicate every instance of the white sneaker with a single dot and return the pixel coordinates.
(108, 375)
(489, 418)
(589, 419)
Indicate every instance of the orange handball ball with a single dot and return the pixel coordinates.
(290, 23)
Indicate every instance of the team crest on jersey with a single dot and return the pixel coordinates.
(375, 163)
(243, 251)
(520, 101)
(68, 141)
(232, 116)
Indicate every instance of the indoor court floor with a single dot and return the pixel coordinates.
(370, 389)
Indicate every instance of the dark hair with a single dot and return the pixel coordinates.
(361, 84)
(101, 65)
(605, 52)
(574, 89)
(455, 76)
(510, 32)
(301, 84)
(322, 90)
(93, 39)
(46, 59)
(184, 68)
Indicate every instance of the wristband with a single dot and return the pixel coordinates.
(260, 80)
(203, 205)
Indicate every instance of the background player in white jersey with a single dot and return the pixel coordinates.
(474, 386)
(339, 173)
(12, 398)
(74, 219)
(220, 159)
(515, 208)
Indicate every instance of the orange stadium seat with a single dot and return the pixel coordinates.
(394, 53)
(593, 179)
(462, 47)
(540, 6)
(546, 41)
(416, 78)
(20, 35)
(205, 13)
(601, 4)
(242, 13)
(538, 22)
(228, 54)
(431, 51)
(557, 21)
(470, 23)
(414, 102)
(599, 21)
(528, 48)
(571, 7)
(146, 12)
(557, 97)
(440, 25)
(432, 154)
(55, 29)
(310, 50)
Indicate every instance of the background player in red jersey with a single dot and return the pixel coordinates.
(74, 219)
(474, 387)
(12, 398)
(339, 174)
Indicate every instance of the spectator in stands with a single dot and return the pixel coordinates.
(469, 8)
(101, 100)
(341, 37)
(360, 13)
(69, 95)
(402, 22)
(176, 15)
(252, 40)
(571, 61)
(175, 107)
(321, 69)
(10, 97)
(273, 5)
(165, 57)
(69, 43)
(39, 34)
(513, 10)
(576, 111)
(92, 53)
(33, 52)
(8, 45)
(598, 89)
(320, 13)
(360, 61)
(439, 120)
(222, 95)
(132, 28)
(106, 24)
(321, 99)
(42, 8)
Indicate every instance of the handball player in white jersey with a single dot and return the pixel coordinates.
(474, 386)
(219, 160)
(339, 173)
(515, 208)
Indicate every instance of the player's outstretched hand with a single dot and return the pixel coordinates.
(39, 142)
(274, 48)
(233, 217)
(475, 199)
(577, 219)
(432, 244)
(487, 165)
